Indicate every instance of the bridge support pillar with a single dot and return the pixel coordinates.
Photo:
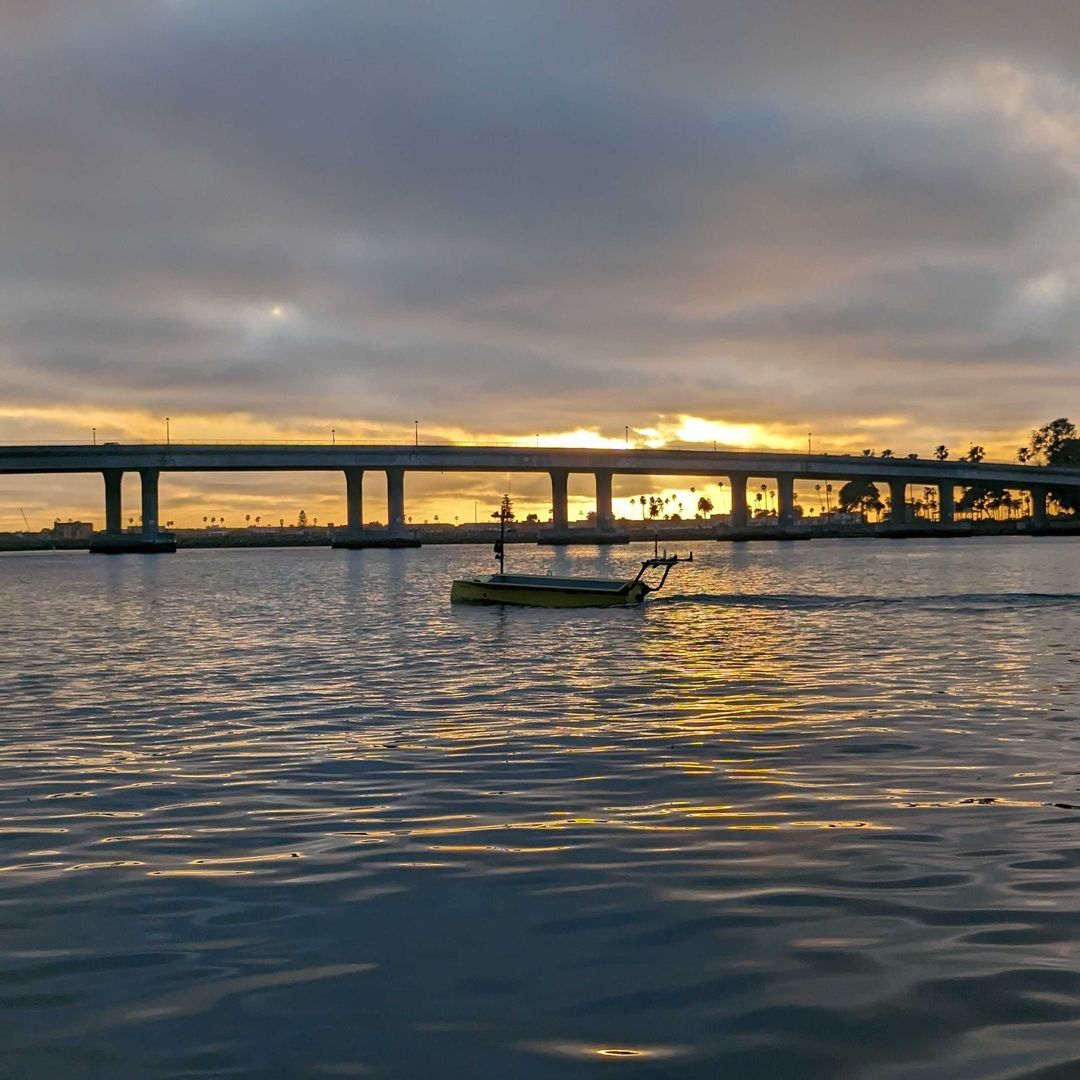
(395, 500)
(1038, 507)
(354, 535)
(149, 479)
(946, 504)
(738, 500)
(114, 505)
(559, 511)
(354, 501)
(605, 518)
(114, 541)
(897, 502)
(785, 501)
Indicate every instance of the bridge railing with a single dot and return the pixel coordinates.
(519, 444)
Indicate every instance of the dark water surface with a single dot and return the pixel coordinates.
(813, 812)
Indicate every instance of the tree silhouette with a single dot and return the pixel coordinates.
(704, 506)
(301, 519)
(1048, 441)
(859, 495)
(1057, 443)
(941, 451)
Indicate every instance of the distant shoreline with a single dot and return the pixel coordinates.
(524, 534)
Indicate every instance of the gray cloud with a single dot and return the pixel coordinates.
(536, 216)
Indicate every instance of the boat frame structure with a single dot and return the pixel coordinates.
(535, 590)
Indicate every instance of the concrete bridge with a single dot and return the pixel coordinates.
(112, 460)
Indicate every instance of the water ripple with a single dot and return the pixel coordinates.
(289, 813)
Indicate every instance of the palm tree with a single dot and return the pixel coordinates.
(204, 521)
(941, 451)
(887, 453)
(828, 503)
(704, 506)
(247, 518)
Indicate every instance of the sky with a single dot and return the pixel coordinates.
(509, 220)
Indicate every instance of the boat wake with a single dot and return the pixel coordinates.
(812, 602)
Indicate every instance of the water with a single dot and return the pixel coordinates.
(812, 811)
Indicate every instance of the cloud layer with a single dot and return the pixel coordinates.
(539, 217)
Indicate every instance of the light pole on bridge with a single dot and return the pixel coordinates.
(416, 433)
(168, 438)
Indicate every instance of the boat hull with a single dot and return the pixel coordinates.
(546, 592)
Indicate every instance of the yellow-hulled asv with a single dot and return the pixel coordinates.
(537, 591)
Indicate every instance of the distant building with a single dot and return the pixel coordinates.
(72, 530)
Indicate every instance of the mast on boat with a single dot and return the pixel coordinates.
(503, 514)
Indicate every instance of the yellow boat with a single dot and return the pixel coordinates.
(534, 590)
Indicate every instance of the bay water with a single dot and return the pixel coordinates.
(813, 810)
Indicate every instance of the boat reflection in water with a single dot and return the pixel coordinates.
(533, 590)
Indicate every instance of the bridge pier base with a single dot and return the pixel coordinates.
(898, 503)
(738, 500)
(354, 535)
(396, 534)
(946, 504)
(114, 541)
(785, 501)
(1038, 508)
(562, 533)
